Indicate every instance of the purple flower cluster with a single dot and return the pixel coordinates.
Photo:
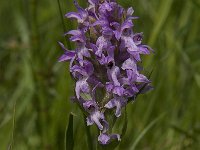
(105, 63)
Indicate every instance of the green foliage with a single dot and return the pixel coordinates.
(69, 139)
(35, 89)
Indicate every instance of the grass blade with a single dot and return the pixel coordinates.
(69, 139)
(63, 23)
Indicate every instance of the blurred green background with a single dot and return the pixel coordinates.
(35, 88)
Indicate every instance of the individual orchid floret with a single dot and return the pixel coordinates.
(106, 139)
(81, 15)
(117, 102)
(68, 55)
(105, 63)
(82, 86)
(95, 116)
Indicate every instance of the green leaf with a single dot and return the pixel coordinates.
(69, 137)
(125, 124)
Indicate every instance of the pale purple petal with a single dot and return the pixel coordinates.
(74, 32)
(89, 121)
(81, 15)
(143, 49)
(126, 25)
(117, 102)
(97, 118)
(105, 139)
(77, 36)
(73, 15)
(136, 56)
(102, 43)
(118, 90)
(93, 47)
(88, 67)
(107, 32)
(80, 10)
(132, 75)
(144, 88)
(142, 78)
(93, 2)
(130, 11)
(113, 74)
(90, 105)
(105, 60)
(110, 104)
(68, 55)
(130, 45)
(78, 69)
(117, 34)
(116, 25)
(110, 51)
(82, 86)
(82, 52)
(129, 64)
(109, 87)
(104, 8)
(101, 23)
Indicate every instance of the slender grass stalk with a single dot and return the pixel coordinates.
(61, 16)
(63, 23)
(69, 136)
(13, 127)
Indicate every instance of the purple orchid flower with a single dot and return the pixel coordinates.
(106, 138)
(68, 55)
(82, 86)
(95, 116)
(81, 15)
(120, 28)
(117, 102)
(105, 62)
